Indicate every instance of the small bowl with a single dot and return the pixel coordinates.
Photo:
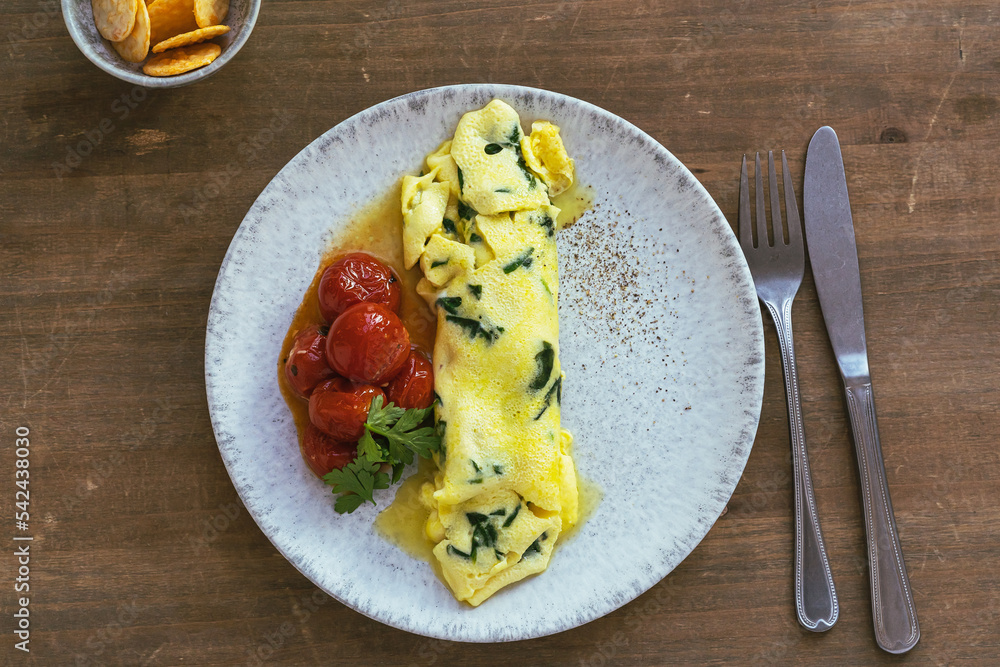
(79, 16)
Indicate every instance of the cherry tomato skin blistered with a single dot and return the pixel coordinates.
(357, 278)
(368, 344)
(413, 386)
(368, 393)
(324, 453)
(340, 409)
(306, 365)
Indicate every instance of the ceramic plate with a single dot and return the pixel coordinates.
(661, 343)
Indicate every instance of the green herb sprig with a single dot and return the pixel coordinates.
(392, 435)
(356, 482)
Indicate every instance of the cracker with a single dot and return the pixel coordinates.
(135, 47)
(168, 18)
(193, 37)
(210, 12)
(180, 60)
(114, 18)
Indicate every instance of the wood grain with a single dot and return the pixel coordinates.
(115, 213)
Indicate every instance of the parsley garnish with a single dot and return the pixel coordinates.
(356, 483)
(391, 436)
(398, 436)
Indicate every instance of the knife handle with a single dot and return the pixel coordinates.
(815, 596)
(893, 611)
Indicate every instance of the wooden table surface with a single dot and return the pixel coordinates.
(116, 210)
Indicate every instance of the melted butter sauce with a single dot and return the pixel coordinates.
(402, 523)
(573, 203)
(377, 230)
(590, 496)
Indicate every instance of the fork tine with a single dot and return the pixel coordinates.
(761, 215)
(746, 235)
(791, 208)
(772, 180)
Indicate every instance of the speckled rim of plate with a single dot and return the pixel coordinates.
(645, 314)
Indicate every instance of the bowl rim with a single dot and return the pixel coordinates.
(249, 21)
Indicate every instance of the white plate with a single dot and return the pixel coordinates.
(661, 341)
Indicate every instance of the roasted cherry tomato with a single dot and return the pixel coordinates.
(340, 409)
(306, 365)
(413, 386)
(367, 343)
(357, 278)
(324, 453)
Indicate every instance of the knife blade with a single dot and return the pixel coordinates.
(833, 255)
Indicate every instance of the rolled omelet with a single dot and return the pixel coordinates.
(481, 225)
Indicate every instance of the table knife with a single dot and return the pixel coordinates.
(834, 258)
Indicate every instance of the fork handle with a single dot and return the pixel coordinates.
(893, 612)
(815, 596)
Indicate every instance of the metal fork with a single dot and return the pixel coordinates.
(777, 270)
